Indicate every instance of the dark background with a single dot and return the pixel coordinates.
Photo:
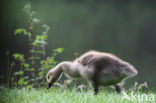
(126, 28)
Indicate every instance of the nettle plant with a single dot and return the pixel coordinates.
(34, 68)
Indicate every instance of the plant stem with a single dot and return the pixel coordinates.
(21, 69)
(8, 66)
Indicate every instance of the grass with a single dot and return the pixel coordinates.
(58, 95)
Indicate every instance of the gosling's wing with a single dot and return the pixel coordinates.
(87, 59)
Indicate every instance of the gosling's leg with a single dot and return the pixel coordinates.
(96, 90)
(118, 89)
(95, 87)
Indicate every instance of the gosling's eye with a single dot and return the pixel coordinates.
(48, 77)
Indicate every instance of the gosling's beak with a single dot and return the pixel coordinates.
(49, 85)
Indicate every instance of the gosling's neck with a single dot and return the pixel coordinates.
(68, 68)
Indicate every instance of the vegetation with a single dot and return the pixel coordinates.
(27, 84)
(33, 68)
(42, 95)
(123, 28)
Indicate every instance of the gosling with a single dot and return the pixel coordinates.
(97, 68)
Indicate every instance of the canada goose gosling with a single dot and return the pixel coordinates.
(97, 68)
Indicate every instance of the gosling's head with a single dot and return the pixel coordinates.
(53, 75)
(51, 78)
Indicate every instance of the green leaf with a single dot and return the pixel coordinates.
(37, 37)
(49, 66)
(29, 34)
(33, 12)
(19, 31)
(42, 62)
(43, 37)
(21, 72)
(46, 27)
(41, 42)
(31, 27)
(27, 69)
(28, 86)
(21, 81)
(34, 43)
(41, 73)
(27, 8)
(18, 56)
(59, 50)
(31, 58)
(39, 52)
(32, 51)
(26, 82)
(26, 65)
(36, 20)
(37, 57)
(32, 69)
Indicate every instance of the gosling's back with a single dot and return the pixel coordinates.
(105, 68)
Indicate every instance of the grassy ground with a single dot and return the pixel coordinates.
(66, 96)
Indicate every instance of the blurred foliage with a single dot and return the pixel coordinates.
(33, 70)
